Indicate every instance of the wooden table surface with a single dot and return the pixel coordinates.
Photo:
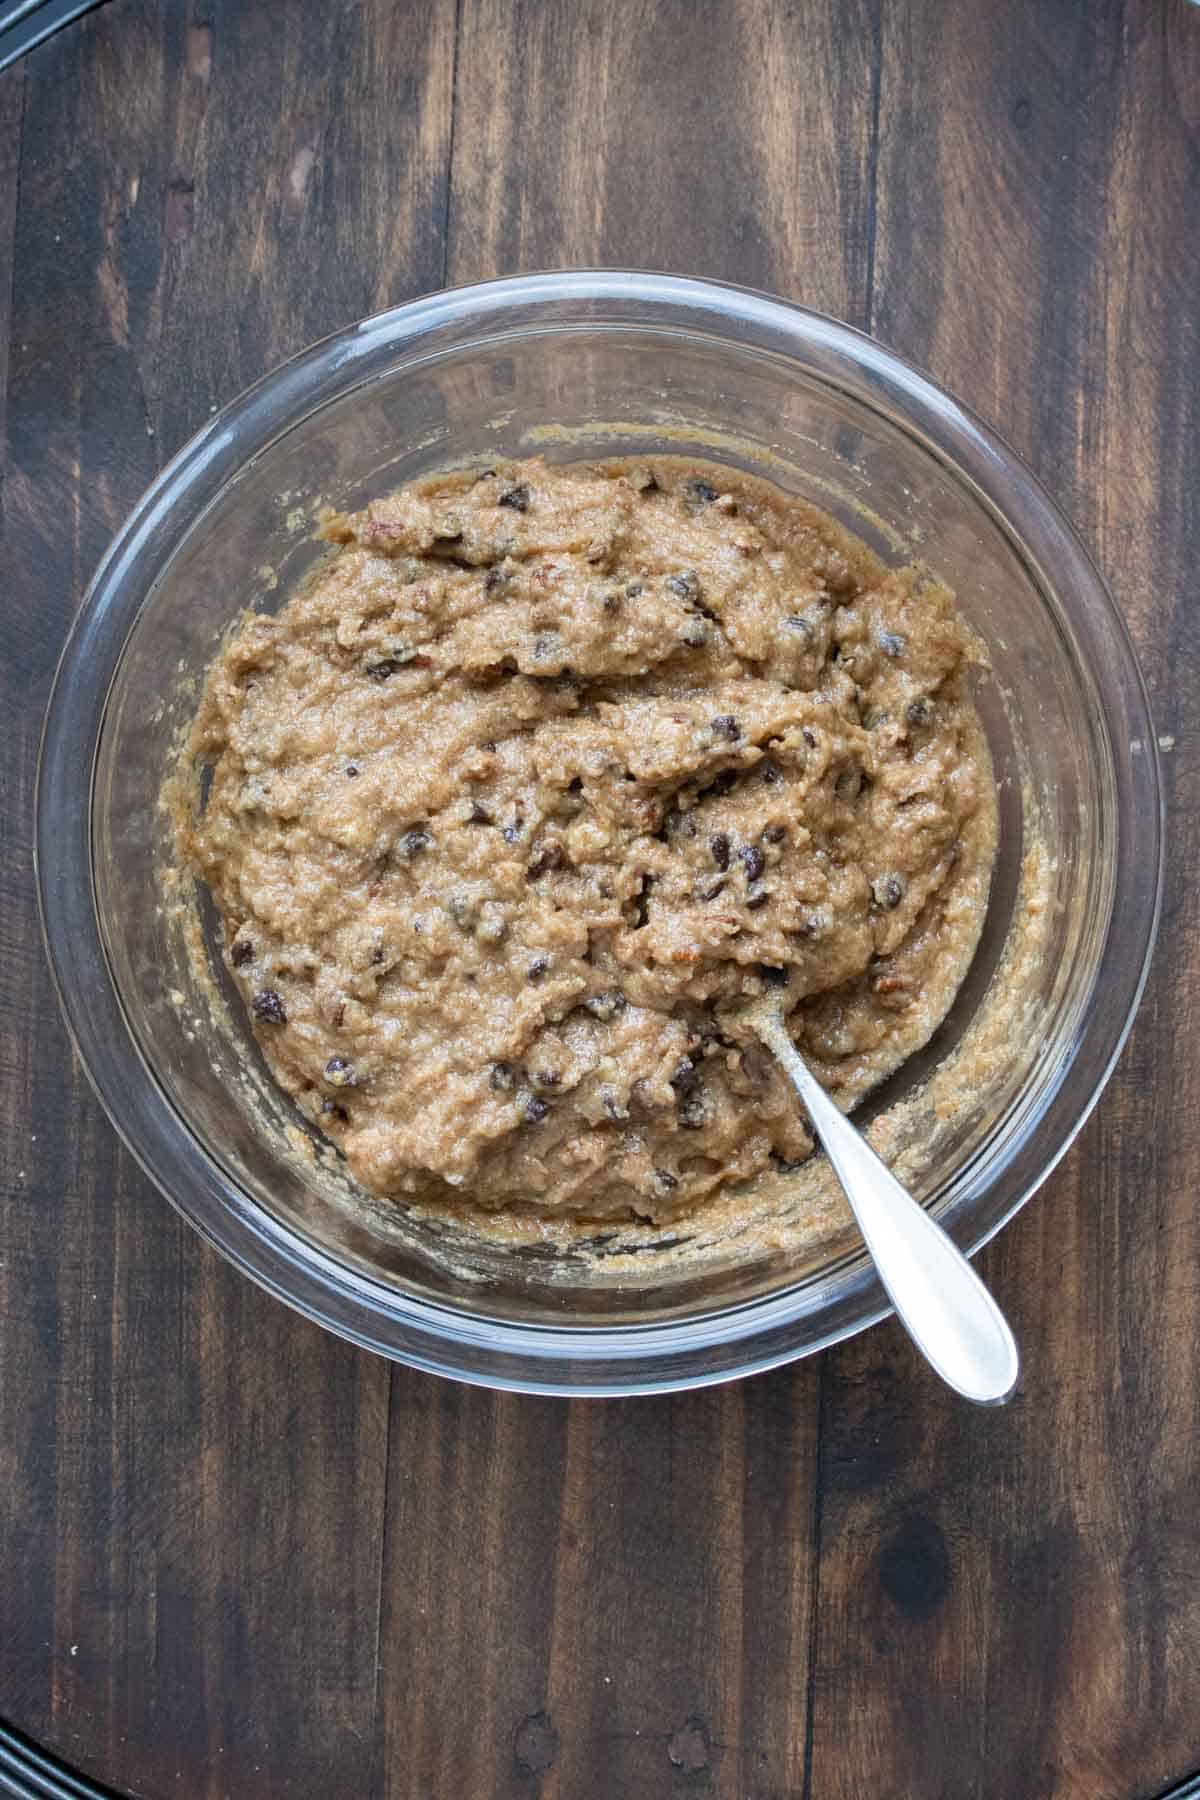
(239, 1558)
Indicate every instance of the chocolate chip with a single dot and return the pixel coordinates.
(809, 737)
(891, 643)
(606, 1006)
(812, 926)
(752, 860)
(269, 1007)
(351, 770)
(917, 711)
(666, 1180)
(478, 815)
(544, 856)
(695, 1112)
(758, 898)
(726, 726)
(888, 890)
(537, 968)
(684, 1078)
(722, 783)
(708, 890)
(774, 834)
(700, 493)
(517, 498)
(340, 1073)
(771, 775)
(686, 584)
(377, 956)
(414, 842)
(547, 1078)
(242, 953)
(502, 1078)
(380, 671)
(612, 1106)
(535, 1110)
(719, 845)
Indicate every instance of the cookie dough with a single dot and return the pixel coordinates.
(511, 807)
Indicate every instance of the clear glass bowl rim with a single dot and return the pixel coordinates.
(563, 1359)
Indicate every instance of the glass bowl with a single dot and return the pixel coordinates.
(567, 365)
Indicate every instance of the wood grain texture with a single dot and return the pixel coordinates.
(1037, 244)
(238, 1558)
(622, 1591)
(191, 1479)
(727, 138)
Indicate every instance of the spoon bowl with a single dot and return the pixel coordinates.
(938, 1297)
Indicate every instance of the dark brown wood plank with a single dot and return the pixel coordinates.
(475, 1488)
(191, 1478)
(683, 1592)
(620, 1589)
(12, 109)
(1006, 1602)
(714, 137)
(623, 1589)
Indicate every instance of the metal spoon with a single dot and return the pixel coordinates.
(938, 1297)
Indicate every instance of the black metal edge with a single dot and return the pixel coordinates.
(30, 22)
(27, 1773)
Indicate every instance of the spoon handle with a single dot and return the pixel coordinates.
(938, 1297)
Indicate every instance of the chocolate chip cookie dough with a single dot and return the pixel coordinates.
(547, 770)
